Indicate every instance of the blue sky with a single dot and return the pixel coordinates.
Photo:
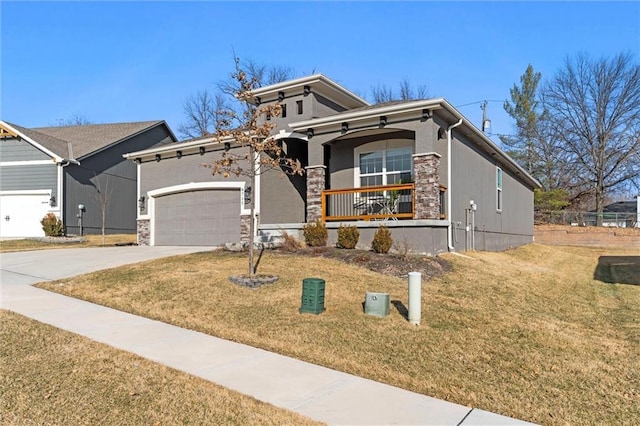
(135, 61)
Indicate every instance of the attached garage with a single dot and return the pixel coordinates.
(21, 213)
(202, 217)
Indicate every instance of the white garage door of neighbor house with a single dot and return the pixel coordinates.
(197, 218)
(20, 214)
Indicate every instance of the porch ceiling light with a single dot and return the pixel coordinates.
(158, 157)
(426, 114)
(201, 150)
(309, 132)
(179, 154)
(383, 121)
(345, 127)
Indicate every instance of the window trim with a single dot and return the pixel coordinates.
(499, 186)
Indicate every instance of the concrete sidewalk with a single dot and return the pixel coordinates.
(317, 392)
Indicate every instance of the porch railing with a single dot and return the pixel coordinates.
(388, 202)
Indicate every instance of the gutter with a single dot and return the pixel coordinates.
(449, 155)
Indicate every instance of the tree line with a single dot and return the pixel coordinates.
(578, 133)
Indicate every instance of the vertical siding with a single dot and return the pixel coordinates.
(29, 177)
(12, 149)
(117, 177)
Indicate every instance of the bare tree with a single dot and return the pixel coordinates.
(102, 197)
(200, 110)
(406, 92)
(256, 152)
(73, 120)
(594, 108)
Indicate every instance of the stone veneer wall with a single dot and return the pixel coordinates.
(315, 186)
(245, 228)
(426, 175)
(144, 238)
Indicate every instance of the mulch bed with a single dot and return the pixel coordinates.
(388, 264)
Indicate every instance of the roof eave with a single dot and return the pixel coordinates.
(57, 158)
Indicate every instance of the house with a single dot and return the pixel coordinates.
(621, 214)
(57, 169)
(418, 167)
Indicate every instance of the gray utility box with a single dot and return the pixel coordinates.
(377, 304)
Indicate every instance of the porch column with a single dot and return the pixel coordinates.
(315, 186)
(426, 176)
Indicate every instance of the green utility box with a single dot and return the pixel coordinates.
(312, 296)
(377, 304)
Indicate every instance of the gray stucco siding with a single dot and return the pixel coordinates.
(178, 171)
(474, 178)
(29, 177)
(12, 149)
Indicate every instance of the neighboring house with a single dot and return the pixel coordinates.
(56, 169)
(622, 214)
(418, 167)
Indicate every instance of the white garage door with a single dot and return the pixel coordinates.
(20, 214)
(197, 218)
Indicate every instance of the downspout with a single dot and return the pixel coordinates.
(450, 226)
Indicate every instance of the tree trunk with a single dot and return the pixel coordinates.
(252, 268)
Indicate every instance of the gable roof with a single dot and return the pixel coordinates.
(55, 147)
(448, 112)
(89, 139)
(318, 83)
(621, 207)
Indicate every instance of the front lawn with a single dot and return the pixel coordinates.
(53, 377)
(27, 244)
(527, 333)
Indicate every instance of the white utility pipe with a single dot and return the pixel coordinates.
(449, 228)
(415, 297)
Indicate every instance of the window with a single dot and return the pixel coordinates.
(284, 110)
(385, 167)
(499, 189)
(299, 106)
(442, 199)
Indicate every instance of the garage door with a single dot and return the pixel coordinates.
(20, 214)
(197, 218)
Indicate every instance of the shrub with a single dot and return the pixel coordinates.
(290, 243)
(382, 240)
(52, 225)
(348, 237)
(315, 234)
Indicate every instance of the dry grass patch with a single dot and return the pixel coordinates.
(527, 333)
(91, 241)
(49, 376)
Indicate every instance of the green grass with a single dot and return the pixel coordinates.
(527, 333)
(49, 376)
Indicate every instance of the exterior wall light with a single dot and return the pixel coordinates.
(52, 201)
(383, 121)
(280, 96)
(345, 127)
(179, 154)
(158, 157)
(247, 195)
(227, 146)
(309, 132)
(201, 150)
(141, 203)
(426, 114)
(307, 90)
